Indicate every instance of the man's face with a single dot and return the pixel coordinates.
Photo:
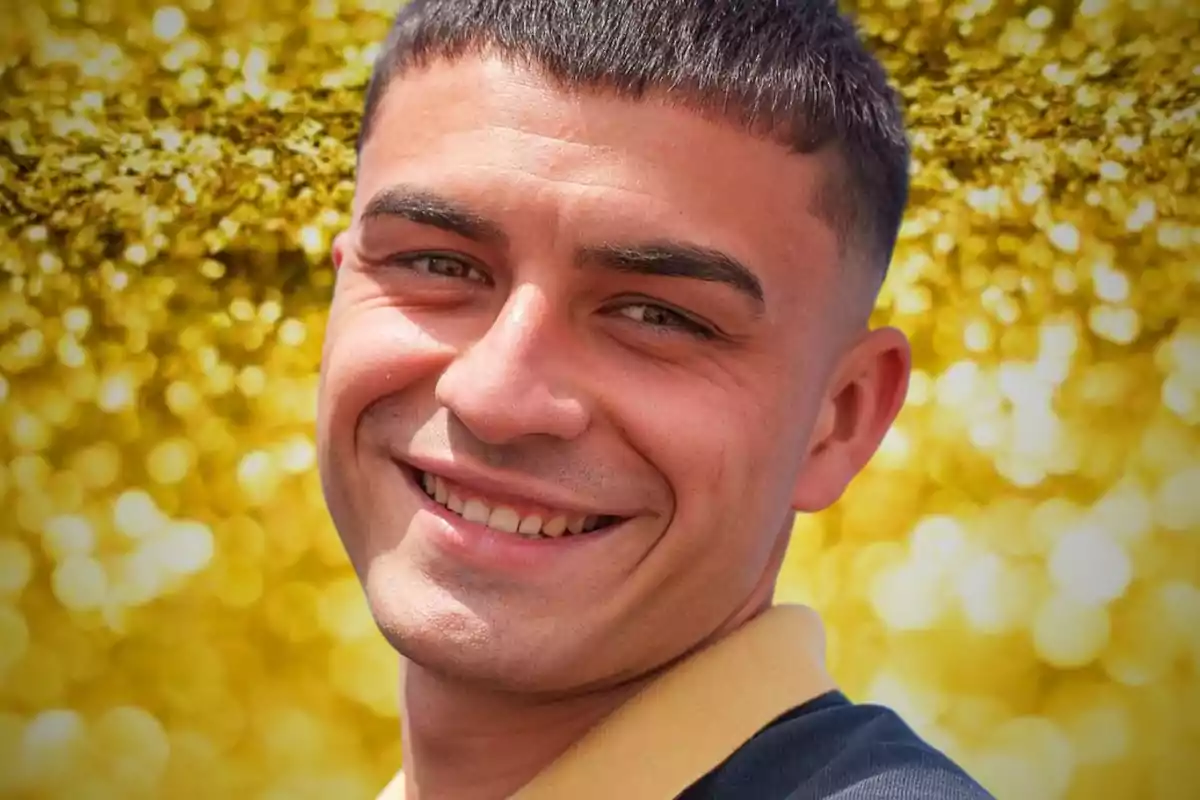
(606, 336)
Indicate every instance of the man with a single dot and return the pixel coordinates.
(599, 332)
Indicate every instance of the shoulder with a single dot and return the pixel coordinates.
(832, 749)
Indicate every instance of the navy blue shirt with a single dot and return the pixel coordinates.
(832, 749)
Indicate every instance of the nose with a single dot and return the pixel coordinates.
(513, 382)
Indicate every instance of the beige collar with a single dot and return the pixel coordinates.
(693, 717)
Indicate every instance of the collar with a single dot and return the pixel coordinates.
(693, 716)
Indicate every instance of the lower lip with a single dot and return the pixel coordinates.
(487, 548)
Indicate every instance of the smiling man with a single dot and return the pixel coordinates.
(599, 332)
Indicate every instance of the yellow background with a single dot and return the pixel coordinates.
(1018, 572)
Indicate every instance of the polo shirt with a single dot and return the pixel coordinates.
(754, 716)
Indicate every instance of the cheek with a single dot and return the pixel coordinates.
(708, 442)
(372, 351)
(729, 452)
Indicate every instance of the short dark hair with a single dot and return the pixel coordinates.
(794, 71)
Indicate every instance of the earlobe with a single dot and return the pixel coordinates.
(338, 251)
(864, 401)
(821, 481)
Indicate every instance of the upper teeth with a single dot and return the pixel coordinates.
(503, 518)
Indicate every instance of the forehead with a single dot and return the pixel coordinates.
(591, 164)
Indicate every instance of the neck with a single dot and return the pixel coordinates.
(466, 743)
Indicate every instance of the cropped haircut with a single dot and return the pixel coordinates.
(792, 71)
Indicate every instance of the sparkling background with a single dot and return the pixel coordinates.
(1018, 572)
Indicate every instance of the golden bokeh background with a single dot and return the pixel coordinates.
(1018, 572)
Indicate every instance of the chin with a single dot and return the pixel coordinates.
(475, 642)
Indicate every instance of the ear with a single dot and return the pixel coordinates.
(340, 243)
(867, 393)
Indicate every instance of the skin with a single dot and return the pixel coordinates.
(513, 356)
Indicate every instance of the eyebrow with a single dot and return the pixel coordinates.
(676, 259)
(426, 208)
(660, 258)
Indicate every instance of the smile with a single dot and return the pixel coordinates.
(528, 520)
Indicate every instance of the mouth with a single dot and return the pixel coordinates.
(527, 520)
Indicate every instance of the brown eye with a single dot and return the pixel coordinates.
(663, 319)
(444, 267)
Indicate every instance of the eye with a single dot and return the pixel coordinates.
(664, 319)
(443, 267)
